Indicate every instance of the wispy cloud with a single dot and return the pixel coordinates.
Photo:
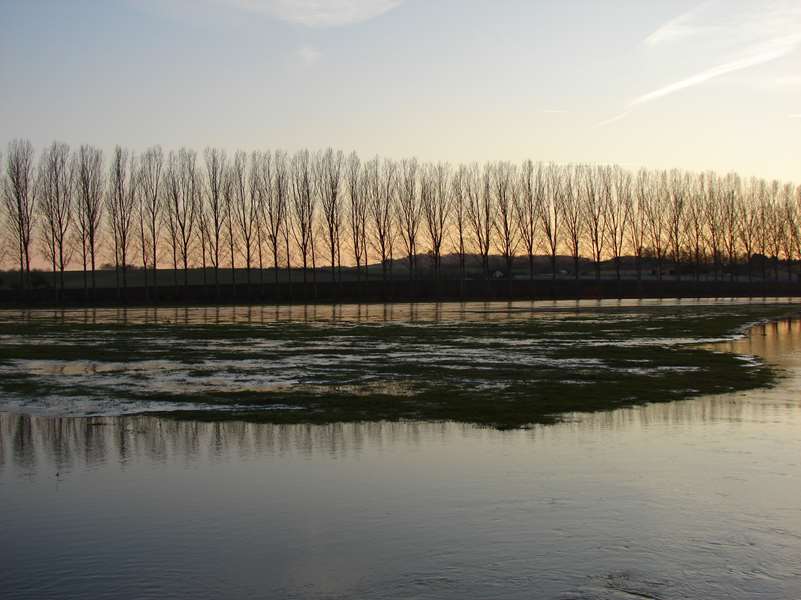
(682, 27)
(553, 111)
(731, 36)
(755, 55)
(796, 116)
(318, 13)
(750, 34)
(614, 119)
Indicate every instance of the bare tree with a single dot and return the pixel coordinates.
(214, 208)
(655, 196)
(768, 238)
(4, 239)
(89, 211)
(480, 211)
(788, 212)
(527, 211)
(229, 205)
(303, 207)
(182, 206)
(141, 228)
(594, 207)
(282, 191)
(618, 199)
(151, 179)
(381, 185)
(172, 195)
(410, 209)
(357, 211)
(748, 209)
(203, 229)
(273, 206)
(638, 221)
(694, 223)
(730, 200)
(20, 192)
(328, 177)
(460, 202)
(551, 211)
(678, 187)
(505, 181)
(120, 203)
(245, 205)
(436, 203)
(714, 219)
(572, 213)
(258, 192)
(57, 184)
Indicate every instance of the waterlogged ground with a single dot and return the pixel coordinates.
(691, 499)
(498, 364)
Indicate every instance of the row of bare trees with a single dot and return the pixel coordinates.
(300, 212)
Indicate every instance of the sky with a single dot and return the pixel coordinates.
(657, 83)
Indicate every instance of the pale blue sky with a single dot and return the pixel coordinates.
(658, 83)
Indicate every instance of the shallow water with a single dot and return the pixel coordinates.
(689, 499)
(409, 312)
(108, 362)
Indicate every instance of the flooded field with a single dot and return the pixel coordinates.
(697, 498)
(500, 364)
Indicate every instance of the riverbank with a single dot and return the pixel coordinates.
(398, 291)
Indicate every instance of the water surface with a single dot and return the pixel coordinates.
(502, 364)
(689, 499)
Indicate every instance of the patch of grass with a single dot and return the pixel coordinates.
(521, 398)
(532, 367)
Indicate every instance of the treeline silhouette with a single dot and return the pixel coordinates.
(309, 213)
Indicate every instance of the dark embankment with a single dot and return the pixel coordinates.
(399, 291)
